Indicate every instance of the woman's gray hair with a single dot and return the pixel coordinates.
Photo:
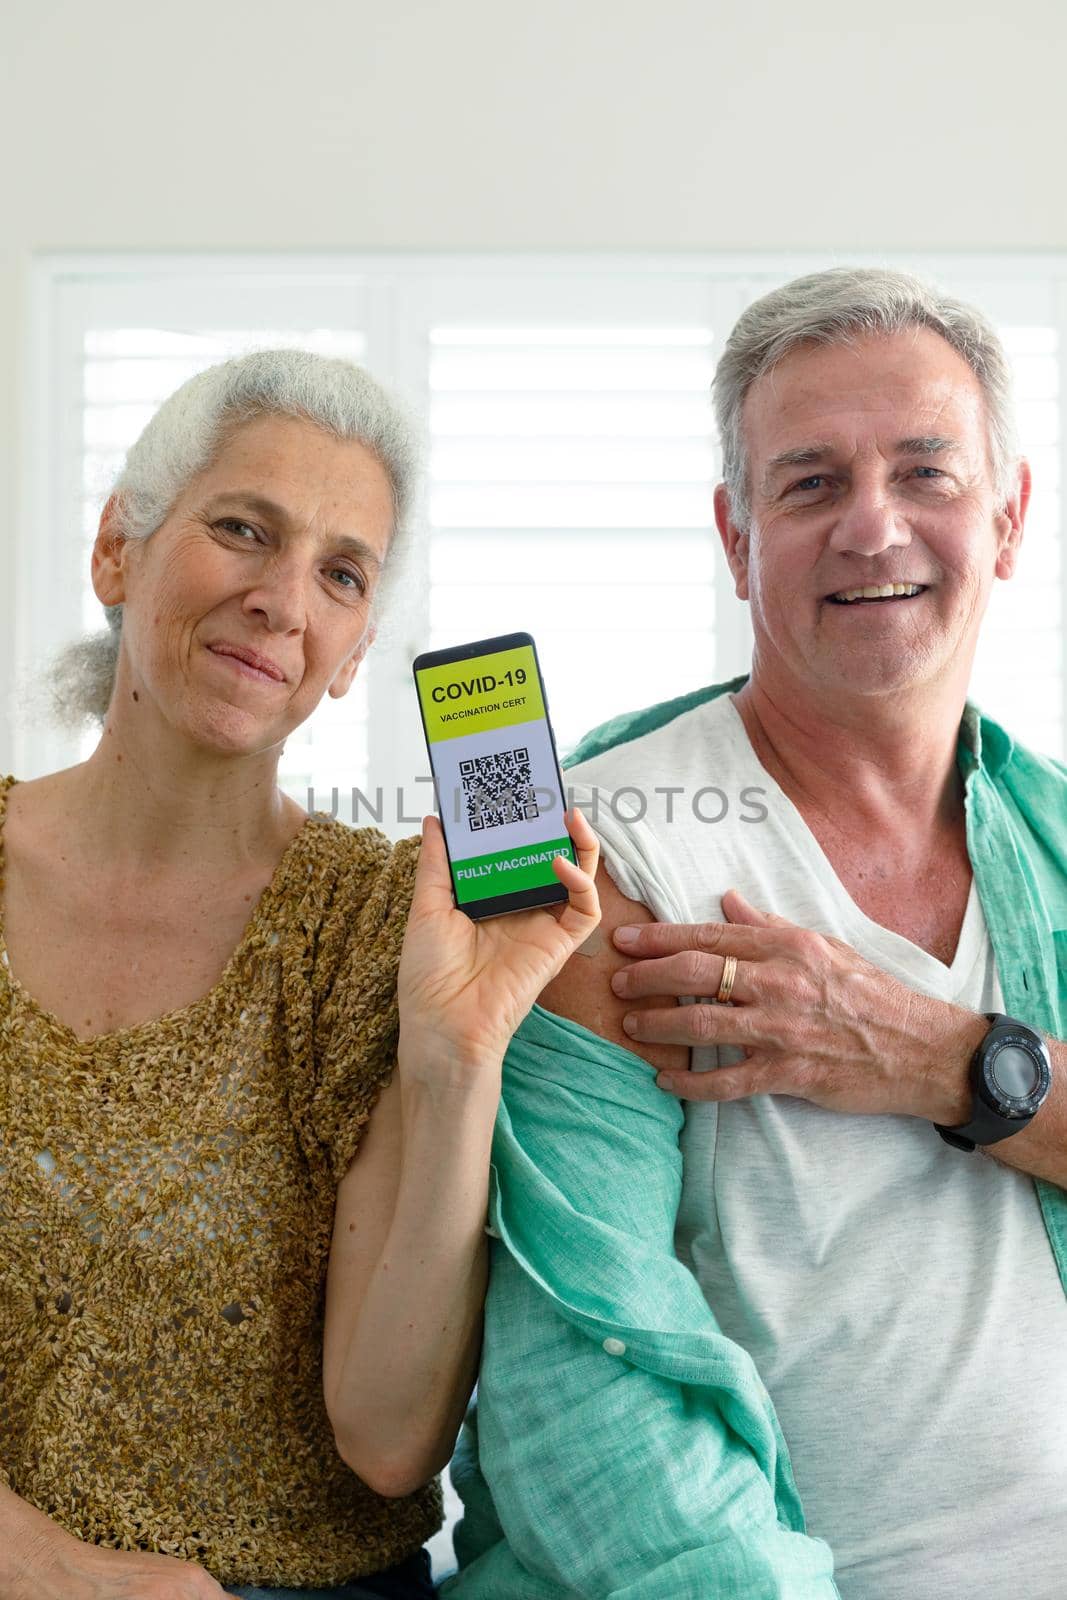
(186, 434)
(836, 307)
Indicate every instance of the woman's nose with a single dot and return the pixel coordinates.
(281, 596)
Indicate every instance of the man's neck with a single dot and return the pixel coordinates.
(883, 767)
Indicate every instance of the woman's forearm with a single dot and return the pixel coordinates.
(411, 1354)
(28, 1539)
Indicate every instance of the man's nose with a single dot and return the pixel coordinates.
(868, 522)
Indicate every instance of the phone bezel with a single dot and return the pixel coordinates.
(526, 899)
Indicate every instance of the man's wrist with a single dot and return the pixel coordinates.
(947, 1091)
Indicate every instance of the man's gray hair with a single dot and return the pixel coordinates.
(186, 434)
(836, 307)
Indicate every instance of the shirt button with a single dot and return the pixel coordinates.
(615, 1347)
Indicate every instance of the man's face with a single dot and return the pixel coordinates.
(869, 465)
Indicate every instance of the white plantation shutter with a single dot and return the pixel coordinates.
(571, 480)
(571, 469)
(1019, 667)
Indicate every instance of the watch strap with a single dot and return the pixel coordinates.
(986, 1127)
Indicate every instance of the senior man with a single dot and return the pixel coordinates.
(887, 931)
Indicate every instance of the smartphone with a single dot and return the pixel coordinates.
(495, 772)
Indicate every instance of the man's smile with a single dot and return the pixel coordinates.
(876, 592)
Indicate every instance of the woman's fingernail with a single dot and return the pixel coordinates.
(626, 935)
(629, 1022)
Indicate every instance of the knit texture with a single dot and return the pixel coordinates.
(167, 1193)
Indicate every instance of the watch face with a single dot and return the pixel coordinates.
(1014, 1072)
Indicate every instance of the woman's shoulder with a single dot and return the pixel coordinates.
(360, 860)
(30, 820)
(365, 883)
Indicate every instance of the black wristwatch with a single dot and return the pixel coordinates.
(1011, 1075)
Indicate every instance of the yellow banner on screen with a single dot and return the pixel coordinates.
(478, 695)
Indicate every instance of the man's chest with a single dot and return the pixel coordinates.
(824, 883)
(924, 902)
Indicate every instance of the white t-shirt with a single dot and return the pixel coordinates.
(899, 1297)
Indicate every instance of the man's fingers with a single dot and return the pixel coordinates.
(689, 973)
(692, 1025)
(727, 1083)
(740, 910)
(712, 938)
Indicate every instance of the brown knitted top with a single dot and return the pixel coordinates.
(166, 1207)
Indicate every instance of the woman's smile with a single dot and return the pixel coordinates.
(243, 667)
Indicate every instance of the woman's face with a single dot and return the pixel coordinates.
(276, 548)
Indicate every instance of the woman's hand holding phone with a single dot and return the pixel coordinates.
(464, 986)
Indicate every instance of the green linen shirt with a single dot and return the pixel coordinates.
(623, 1448)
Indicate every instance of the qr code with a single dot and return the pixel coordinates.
(497, 789)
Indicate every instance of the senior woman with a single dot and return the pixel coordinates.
(242, 1265)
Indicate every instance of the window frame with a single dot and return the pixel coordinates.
(400, 297)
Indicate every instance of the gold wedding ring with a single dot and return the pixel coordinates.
(729, 973)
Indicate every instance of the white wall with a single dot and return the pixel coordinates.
(490, 124)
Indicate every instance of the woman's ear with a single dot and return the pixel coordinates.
(109, 555)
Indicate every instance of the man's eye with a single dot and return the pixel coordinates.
(935, 472)
(234, 524)
(810, 483)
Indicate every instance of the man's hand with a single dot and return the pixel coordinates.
(814, 1018)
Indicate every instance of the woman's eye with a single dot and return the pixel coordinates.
(356, 580)
(234, 524)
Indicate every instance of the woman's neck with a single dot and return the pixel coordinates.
(148, 801)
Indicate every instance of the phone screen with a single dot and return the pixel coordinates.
(493, 755)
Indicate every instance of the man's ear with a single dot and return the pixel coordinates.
(734, 542)
(343, 678)
(110, 555)
(1010, 522)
